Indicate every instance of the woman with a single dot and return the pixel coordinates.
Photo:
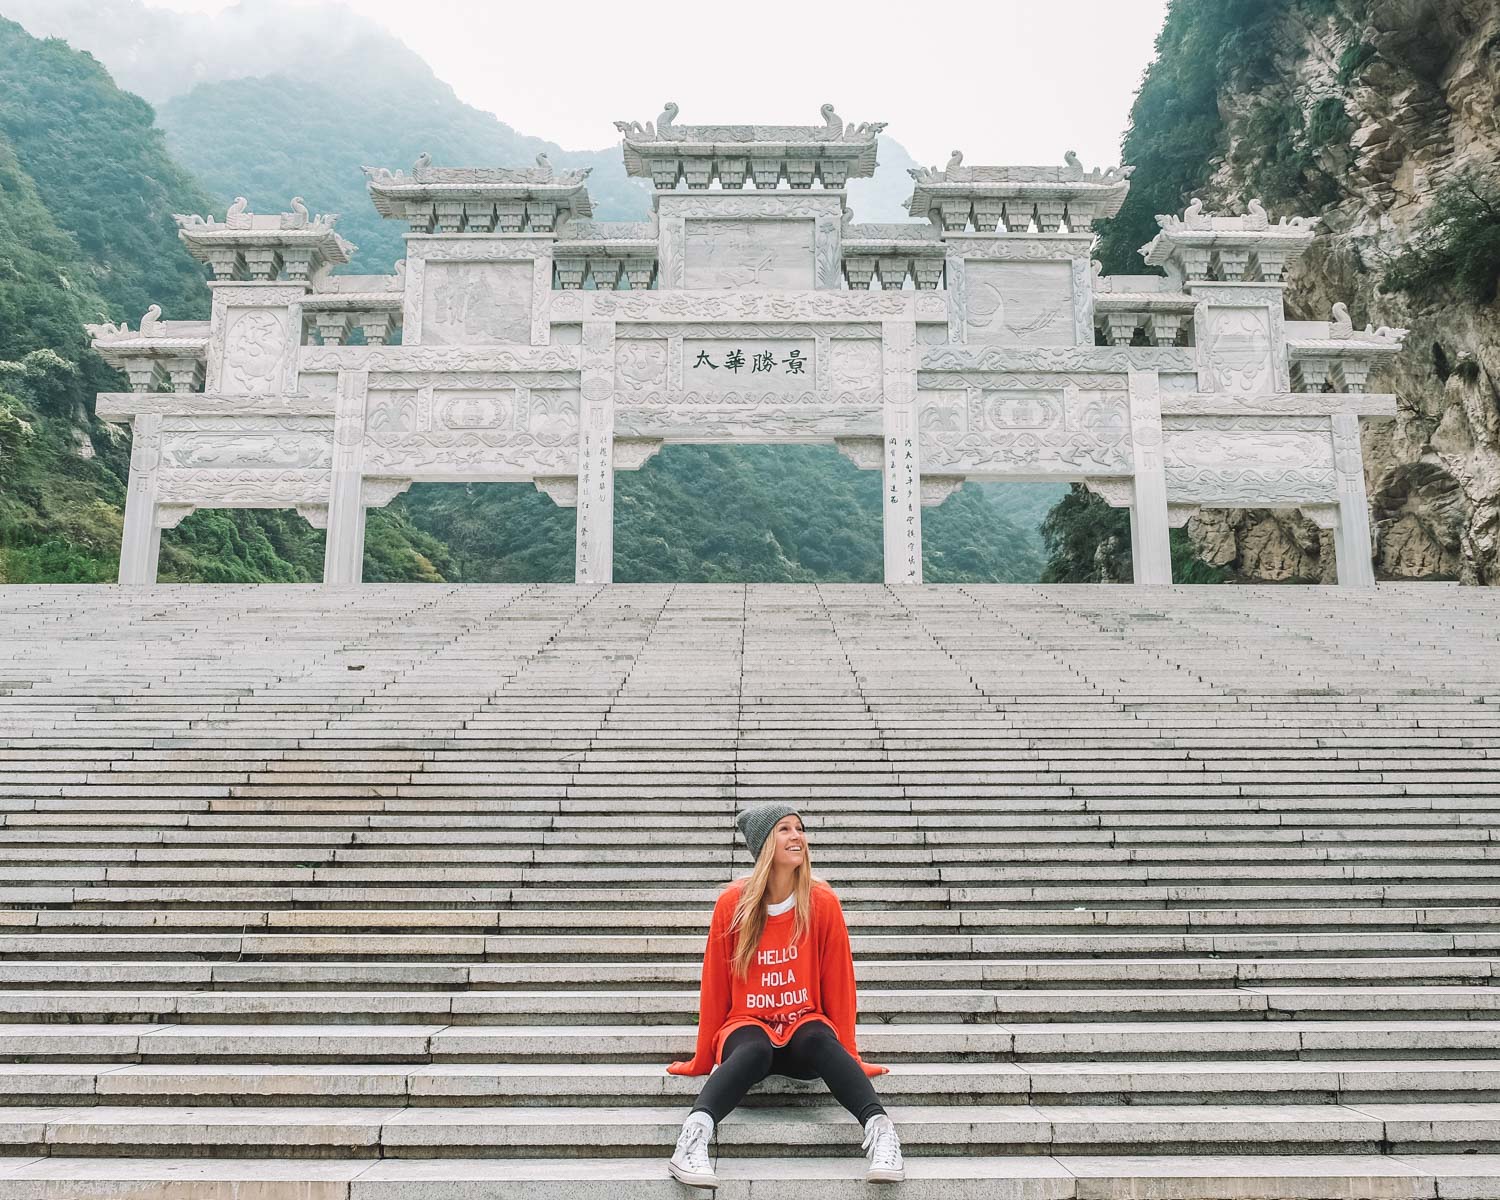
(778, 998)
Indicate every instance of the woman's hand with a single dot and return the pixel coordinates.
(689, 1067)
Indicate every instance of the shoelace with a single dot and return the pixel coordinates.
(887, 1148)
(693, 1139)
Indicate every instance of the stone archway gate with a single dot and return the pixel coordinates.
(521, 340)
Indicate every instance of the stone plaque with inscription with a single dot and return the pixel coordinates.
(477, 304)
(1020, 303)
(750, 253)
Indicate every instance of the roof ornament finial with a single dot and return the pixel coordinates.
(1341, 326)
(832, 120)
(955, 159)
(424, 160)
(149, 319)
(238, 216)
(300, 215)
(1255, 215)
(544, 162)
(664, 122)
(1075, 164)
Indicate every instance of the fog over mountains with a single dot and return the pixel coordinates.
(270, 94)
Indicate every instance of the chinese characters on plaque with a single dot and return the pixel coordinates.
(759, 362)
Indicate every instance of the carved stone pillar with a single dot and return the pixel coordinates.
(1352, 551)
(901, 500)
(1150, 545)
(595, 553)
(344, 552)
(140, 546)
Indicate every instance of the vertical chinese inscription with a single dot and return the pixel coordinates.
(902, 496)
(596, 439)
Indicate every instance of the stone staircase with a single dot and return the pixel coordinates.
(380, 892)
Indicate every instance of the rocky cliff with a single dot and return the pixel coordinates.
(1381, 116)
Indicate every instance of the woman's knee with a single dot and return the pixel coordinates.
(750, 1048)
(814, 1034)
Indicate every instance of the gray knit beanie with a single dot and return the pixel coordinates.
(757, 821)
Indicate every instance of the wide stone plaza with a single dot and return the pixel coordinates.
(398, 892)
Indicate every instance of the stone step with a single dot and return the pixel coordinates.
(440, 1041)
(1230, 1081)
(544, 1132)
(837, 1174)
(662, 1007)
(695, 900)
(874, 974)
(654, 923)
(539, 947)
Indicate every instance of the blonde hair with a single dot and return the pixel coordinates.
(750, 910)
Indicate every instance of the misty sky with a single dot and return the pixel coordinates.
(1005, 81)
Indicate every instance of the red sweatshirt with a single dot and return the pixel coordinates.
(787, 984)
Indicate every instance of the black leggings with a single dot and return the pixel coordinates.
(814, 1051)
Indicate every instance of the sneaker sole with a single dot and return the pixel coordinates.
(692, 1180)
(885, 1176)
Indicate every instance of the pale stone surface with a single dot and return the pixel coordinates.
(1124, 871)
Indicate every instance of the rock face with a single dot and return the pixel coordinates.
(1419, 82)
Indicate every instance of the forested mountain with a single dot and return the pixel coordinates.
(1383, 118)
(87, 188)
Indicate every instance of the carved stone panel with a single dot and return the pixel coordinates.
(468, 409)
(856, 365)
(641, 365)
(393, 410)
(1218, 465)
(1236, 350)
(1013, 431)
(284, 451)
(255, 347)
(1019, 303)
(476, 303)
(755, 253)
(465, 455)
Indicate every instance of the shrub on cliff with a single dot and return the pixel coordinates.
(1456, 244)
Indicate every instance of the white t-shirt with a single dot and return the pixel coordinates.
(775, 910)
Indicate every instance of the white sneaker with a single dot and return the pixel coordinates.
(690, 1163)
(883, 1148)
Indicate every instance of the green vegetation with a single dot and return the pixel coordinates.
(1352, 61)
(758, 514)
(1456, 244)
(271, 137)
(93, 153)
(1175, 128)
(86, 233)
(1089, 542)
(1176, 131)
